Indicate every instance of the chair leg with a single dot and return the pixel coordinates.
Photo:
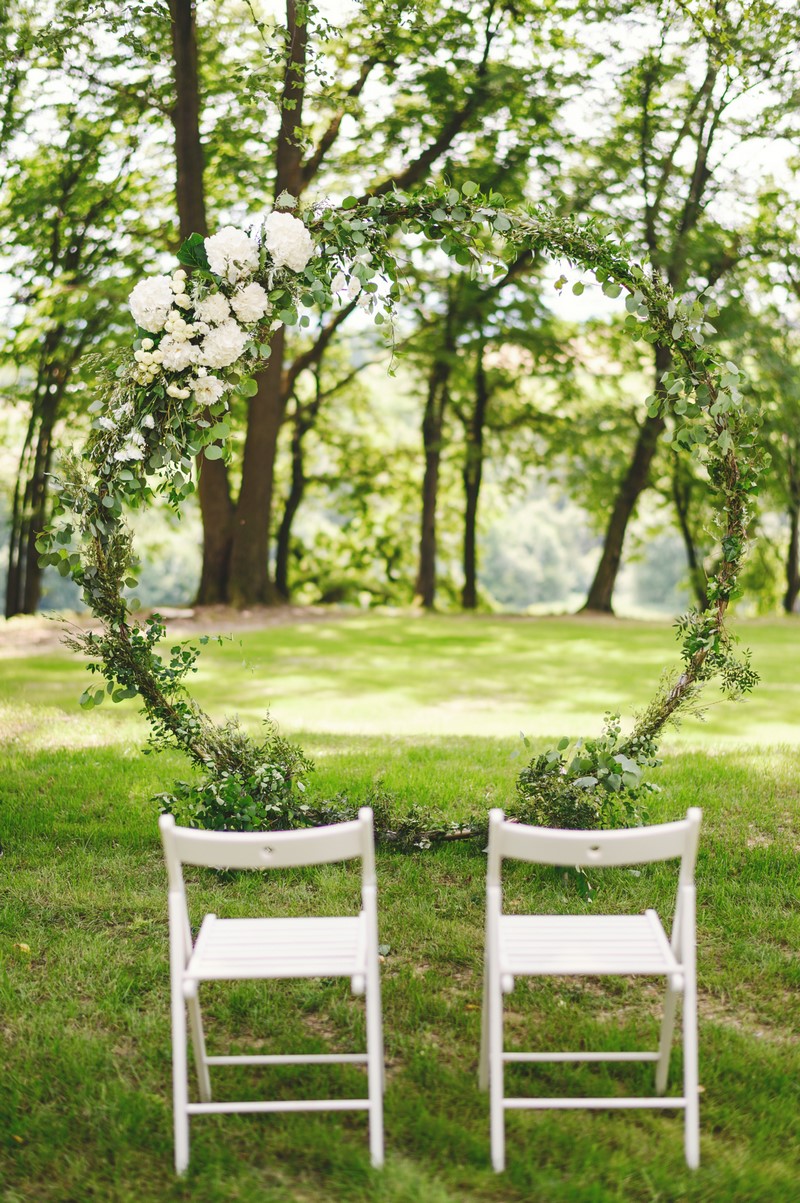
(180, 1084)
(665, 1041)
(496, 1110)
(483, 1063)
(199, 1048)
(375, 1068)
(690, 1074)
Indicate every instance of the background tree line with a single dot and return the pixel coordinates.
(126, 129)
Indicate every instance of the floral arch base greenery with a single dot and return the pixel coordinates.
(200, 338)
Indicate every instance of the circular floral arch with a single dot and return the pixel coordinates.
(200, 337)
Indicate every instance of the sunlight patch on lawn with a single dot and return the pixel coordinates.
(417, 676)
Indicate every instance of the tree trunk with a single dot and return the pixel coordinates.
(296, 490)
(634, 483)
(681, 496)
(472, 475)
(189, 190)
(29, 513)
(249, 582)
(303, 421)
(15, 587)
(216, 508)
(793, 561)
(432, 431)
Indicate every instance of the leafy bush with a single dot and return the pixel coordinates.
(261, 790)
(591, 783)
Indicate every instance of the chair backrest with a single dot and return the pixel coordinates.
(630, 846)
(269, 849)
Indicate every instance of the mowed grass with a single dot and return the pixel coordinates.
(393, 705)
(442, 675)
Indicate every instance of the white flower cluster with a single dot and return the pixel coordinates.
(288, 241)
(204, 331)
(223, 344)
(151, 301)
(212, 309)
(231, 254)
(250, 303)
(151, 304)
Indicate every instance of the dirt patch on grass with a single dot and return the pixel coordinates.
(31, 635)
(747, 1022)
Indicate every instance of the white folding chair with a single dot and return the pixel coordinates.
(242, 949)
(529, 945)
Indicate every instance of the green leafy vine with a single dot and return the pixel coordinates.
(199, 341)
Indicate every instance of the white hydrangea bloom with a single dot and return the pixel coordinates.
(176, 353)
(213, 309)
(339, 282)
(353, 288)
(207, 389)
(250, 303)
(150, 302)
(231, 254)
(288, 241)
(223, 345)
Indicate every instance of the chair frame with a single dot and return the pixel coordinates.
(259, 850)
(509, 840)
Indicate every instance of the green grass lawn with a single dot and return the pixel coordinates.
(428, 711)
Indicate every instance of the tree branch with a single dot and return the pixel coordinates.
(308, 358)
(418, 168)
(311, 166)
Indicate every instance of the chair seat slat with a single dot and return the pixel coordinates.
(273, 948)
(289, 1105)
(546, 944)
(594, 1104)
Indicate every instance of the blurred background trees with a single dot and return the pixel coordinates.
(494, 449)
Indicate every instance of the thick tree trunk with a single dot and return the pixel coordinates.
(793, 561)
(634, 483)
(249, 581)
(216, 508)
(189, 163)
(472, 475)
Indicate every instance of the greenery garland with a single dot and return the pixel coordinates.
(201, 339)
